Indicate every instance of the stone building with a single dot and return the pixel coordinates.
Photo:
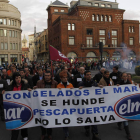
(25, 49)
(10, 33)
(41, 44)
(77, 30)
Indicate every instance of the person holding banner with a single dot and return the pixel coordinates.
(106, 80)
(46, 82)
(64, 84)
(19, 84)
(125, 81)
(89, 82)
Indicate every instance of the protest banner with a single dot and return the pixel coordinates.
(71, 107)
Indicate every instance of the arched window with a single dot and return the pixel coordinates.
(106, 18)
(110, 19)
(73, 26)
(102, 18)
(91, 56)
(97, 17)
(93, 17)
(116, 55)
(132, 55)
(69, 26)
(71, 55)
(132, 29)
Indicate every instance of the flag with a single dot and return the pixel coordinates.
(76, 60)
(55, 55)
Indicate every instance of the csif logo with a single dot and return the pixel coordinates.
(16, 115)
(128, 107)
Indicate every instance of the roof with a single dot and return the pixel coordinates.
(31, 35)
(25, 49)
(57, 2)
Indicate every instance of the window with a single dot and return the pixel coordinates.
(9, 22)
(13, 57)
(5, 21)
(16, 46)
(16, 34)
(11, 46)
(97, 17)
(73, 27)
(101, 32)
(131, 41)
(106, 18)
(55, 10)
(102, 18)
(13, 33)
(110, 19)
(114, 33)
(69, 26)
(96, 4)
(114, 42)
(10, 33)
(102, 39)
(62, 10)
(89, 32)
(89, 3)
(6, 46)
(5, 32)
(132, 29)
(1, 22)
(1, 32)
(89, 42)
(93, 17)
(12, 22)
(109, 5)
(102, 5)
(71, 40)
(2, 46)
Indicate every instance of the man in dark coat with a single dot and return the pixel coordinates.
(79, 77)
(99, 75)
(115, 75)
(88, 82)
(3, 87)
(6, 77)
(37, 77)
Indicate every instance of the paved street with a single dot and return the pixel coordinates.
(107, 132)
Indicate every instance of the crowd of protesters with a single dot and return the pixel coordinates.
(60, 75)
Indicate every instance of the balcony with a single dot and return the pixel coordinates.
(83, 46)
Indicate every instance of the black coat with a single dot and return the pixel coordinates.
(7, 78)
(85, 83)
(24, 84)
(97, 77)
(3, 85)
(123, 83)
(76, 83)
(30, 82)
(35, 79)
(118, 77)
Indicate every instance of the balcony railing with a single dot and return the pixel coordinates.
(83, 46)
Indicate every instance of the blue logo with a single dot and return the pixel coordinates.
(128, 107)
(16, 115)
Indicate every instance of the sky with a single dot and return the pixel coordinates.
(33, 12)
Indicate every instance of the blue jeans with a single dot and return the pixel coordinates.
(66, 132)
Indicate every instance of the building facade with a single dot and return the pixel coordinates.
(41, 43)
(32, 51)
(10, 33)
(25, 50)
(77, 30)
